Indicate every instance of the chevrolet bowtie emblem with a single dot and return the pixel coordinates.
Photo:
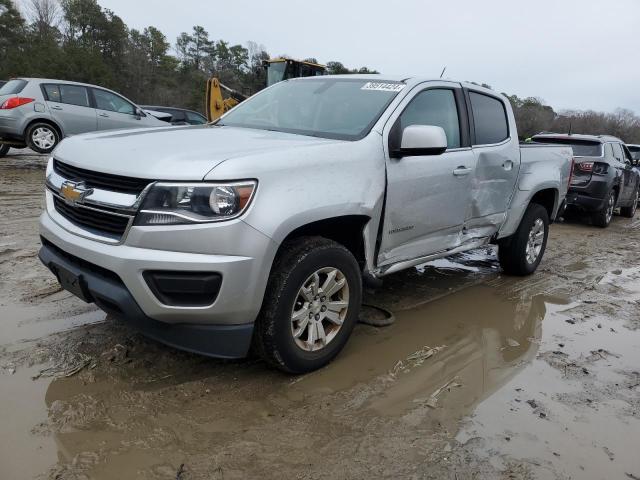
(74, 192)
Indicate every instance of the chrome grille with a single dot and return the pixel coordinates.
(101, 222)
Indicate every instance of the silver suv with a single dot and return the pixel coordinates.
(38, 113)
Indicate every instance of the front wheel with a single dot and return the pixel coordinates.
(310, 307)
(521, 253)
(4, 149)
(630, 211)
(42, 137)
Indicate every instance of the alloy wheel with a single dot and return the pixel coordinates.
(320, 309)
(535, 241)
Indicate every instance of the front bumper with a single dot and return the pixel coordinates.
(244, 266)
(98, 285)
(221, 329)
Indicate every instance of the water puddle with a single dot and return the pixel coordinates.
(573, 410)
(476, 354)
(24, 323)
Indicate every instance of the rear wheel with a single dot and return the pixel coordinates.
(630, 211)
(602, 218)
(42, 137)
(521, 253)
(310, 307)
(4, 149)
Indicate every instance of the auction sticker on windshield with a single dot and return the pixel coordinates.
(383, 87)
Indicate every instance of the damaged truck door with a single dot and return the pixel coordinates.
(429, 190)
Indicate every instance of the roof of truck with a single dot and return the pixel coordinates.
(579, 136)
(408, 79)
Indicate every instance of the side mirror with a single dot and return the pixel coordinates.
(420, 140)
(140, 113)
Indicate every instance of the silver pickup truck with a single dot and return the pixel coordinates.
(258, 230)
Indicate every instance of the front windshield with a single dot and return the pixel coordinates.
(339, 108)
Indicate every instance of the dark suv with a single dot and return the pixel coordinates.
(604, 176)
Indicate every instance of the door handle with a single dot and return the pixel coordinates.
(56, 107)
(508, 165)
(461, 171)
(103, 115)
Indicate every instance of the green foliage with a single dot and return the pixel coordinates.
(79, 40)
(337, 68)
(12, 37)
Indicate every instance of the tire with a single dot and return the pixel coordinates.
(42, 137)
(602, 218)
(287, 344)
(630, 211)
(4, 149)
(521, 253)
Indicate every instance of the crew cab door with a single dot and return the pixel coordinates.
(497, 153)
(427, 196)
(71, 107)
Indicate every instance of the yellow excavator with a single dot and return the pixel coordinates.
(221, 98)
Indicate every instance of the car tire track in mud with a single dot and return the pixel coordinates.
(481, 375)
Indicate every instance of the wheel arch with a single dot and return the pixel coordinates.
(347, 230)
(46, 120)
(547, 198)
(546, 195)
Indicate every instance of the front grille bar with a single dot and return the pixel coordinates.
(104, 181)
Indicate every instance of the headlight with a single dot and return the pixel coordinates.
(179, 204)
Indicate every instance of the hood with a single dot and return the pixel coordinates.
(173, 153)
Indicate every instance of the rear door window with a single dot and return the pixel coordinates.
(435, 107)
(52, 93)
(617, 152)
(74, 95)
(489, 118)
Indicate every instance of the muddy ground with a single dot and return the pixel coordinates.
(482, 375)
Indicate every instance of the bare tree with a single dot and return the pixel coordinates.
(43, 15)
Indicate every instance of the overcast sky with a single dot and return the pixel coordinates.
(582, 54)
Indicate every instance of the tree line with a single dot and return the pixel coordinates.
(81, 41)
(534, 116)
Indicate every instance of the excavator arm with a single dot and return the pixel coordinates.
(216, 105)
(278, 69)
